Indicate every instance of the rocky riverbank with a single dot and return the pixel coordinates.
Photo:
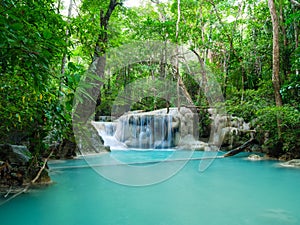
(18, 168)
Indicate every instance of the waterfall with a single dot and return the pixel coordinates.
(169, 131)
(107, 130)
(138, 130)
(149, 130)
(164, 128)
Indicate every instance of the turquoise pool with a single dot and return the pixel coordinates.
(232, 191)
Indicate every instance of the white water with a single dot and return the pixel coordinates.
(106, 131)
(144, 132)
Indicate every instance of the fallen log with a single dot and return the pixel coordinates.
(239, 149)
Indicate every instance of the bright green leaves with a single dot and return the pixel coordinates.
(31, 44)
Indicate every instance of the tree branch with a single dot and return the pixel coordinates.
(41, 169)
(104, 19)
(230, 38)
(295, 3)
(240, 148)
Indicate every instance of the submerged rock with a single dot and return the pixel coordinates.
(295, 163)
(189, 142)
(254, 157)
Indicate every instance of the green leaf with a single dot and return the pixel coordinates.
(18, 26)
(47, 34)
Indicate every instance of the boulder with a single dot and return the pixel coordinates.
(14, 154)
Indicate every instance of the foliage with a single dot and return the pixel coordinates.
(31, 40)
(246, 103)
(266, 122)
(291, 91)
(258, 108)
(61, 112)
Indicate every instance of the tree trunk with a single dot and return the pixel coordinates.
(240, 148)
(276, 65)
(177, 55)
(64, 58)
(86, 108)
(102, 40)
(99, 60)
(296, 30)
(285, 56)
(276, 55)
(58, 7)
(203, 72)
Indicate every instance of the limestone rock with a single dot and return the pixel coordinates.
(227, 130)
(254, 157)
(189, 142)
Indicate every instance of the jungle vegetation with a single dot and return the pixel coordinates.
(48, 46)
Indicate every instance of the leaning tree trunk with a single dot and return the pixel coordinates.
(87, 100)
(86, 106)
(96, 71)
(99, 60)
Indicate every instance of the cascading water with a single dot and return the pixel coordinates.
(107, 130)
(140, 131)
(146, 131)
(165, 134)
(160, 129)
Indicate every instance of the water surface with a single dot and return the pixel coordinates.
(231, 191)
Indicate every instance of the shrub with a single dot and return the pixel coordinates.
(282, 139)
